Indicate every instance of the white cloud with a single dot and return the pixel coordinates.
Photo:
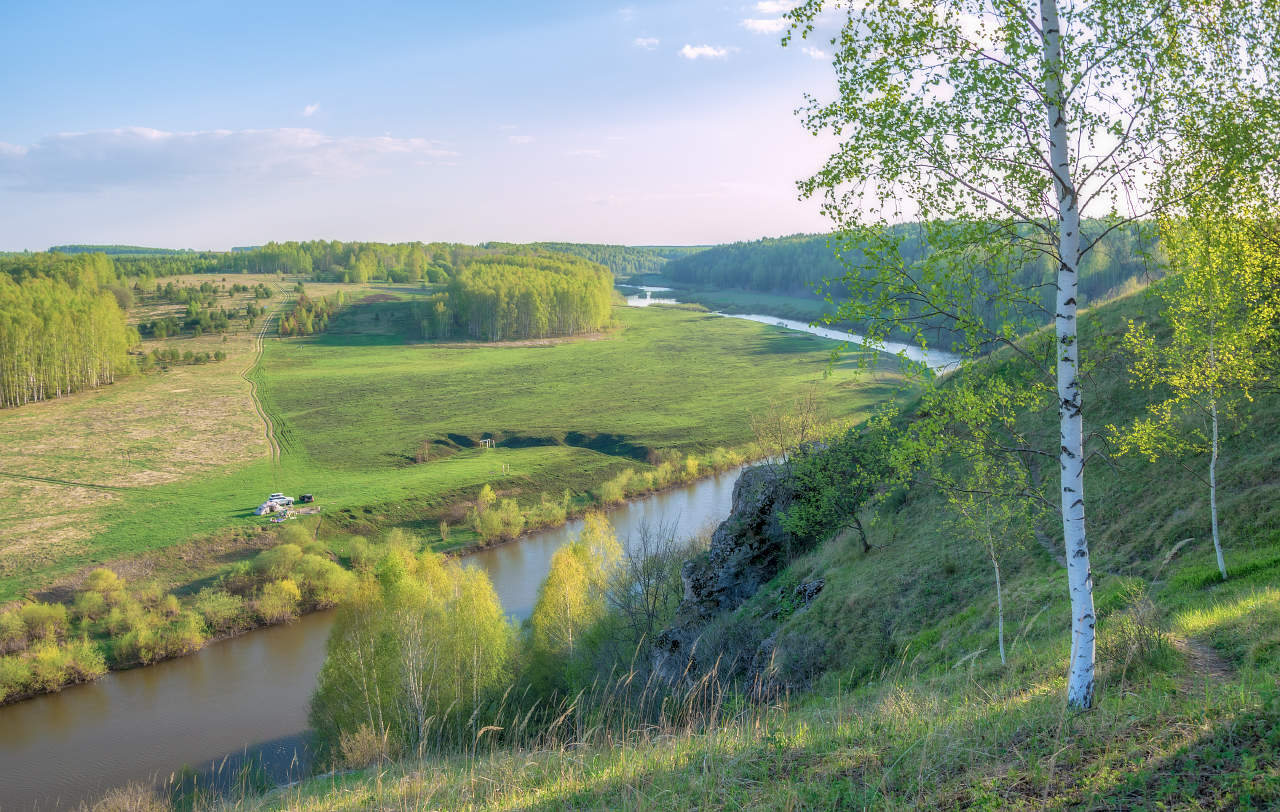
(775, 6)
(520, 139)
(703, 52)
(627, 13)
(135, 156)
(816, 53)
(771, 25)
(310, 110)
(648, 43)
(584, 153)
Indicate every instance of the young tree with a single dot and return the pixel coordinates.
(999, 129)
(1221, 311)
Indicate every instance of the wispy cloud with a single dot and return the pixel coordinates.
(135, 156)
(520, 139)
(584, 153)
(703, 52)
(648, 43)
(627, 13)
(310, 110)
(775, 6)
(770, 25)
(816, 53)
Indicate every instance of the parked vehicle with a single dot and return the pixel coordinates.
(306, 499)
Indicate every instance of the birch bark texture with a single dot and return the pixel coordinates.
(985, 147)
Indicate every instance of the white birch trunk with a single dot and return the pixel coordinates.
(995, 564)
(1213, 489)
(1080, 673)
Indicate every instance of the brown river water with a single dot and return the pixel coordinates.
(247, 697)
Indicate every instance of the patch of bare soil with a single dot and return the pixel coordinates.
(1207, 665)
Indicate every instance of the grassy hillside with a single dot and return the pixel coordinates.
(901, 700)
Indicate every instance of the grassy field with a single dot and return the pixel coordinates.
(181, 455)
(907, 705)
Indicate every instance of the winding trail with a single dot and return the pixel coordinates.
(259, 342)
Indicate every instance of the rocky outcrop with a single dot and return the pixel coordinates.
(747, 550)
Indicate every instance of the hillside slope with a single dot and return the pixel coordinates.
(898, 698)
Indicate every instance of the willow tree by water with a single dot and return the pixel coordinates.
(61, 330)
(999, 127)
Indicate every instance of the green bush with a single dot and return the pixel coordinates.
(85, 661)
(44, 621)
(322, 582)
(278, 562)
(89, 606)
(15, 677)
(50, 667)
(13, 632)
(223, 613)
(278, 601)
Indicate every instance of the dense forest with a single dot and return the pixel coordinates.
(623, 260)
(519, 296)
(799, 264)
(62, 328)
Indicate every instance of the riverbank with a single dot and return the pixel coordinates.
(95, 615)
(251, 691)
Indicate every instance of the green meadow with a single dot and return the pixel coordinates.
(353, 407)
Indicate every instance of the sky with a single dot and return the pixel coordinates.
(213, 123)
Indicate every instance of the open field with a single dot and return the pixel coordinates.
(190, 459)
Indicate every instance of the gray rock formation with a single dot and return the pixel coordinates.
(747, 550)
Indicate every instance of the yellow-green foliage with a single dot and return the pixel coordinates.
(278, 601)
(414, 652)
(44, 621)
(223, 613)
(13, 632)
(571, 599)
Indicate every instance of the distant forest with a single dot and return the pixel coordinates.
(800, 265)
(338, 261)
(517, 296)
(62, 328)
(623, 260)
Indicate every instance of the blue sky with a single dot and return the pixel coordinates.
(209, 124)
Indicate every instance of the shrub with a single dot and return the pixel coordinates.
(13, 632)
(103, 580)
(322, 582)
(124, 617)
(89, 606)
(183, 635)
(223, 613)
(361, 556)
(45, 621)
(294, 533)
(15, 677)
(547, 513)
(50, 667)
(278, 562)
(169, 606)
(85, 661)
(510, 519)
(278, 601)
(363, 747)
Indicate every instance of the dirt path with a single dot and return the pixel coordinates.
(259, 341)
(1207, 665)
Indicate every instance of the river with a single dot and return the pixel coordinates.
(248, 695)
(934, 359)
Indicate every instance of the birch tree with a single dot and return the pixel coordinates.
(1220, 309)
(998, 127)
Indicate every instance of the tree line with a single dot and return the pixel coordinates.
(517, 296)
(623, 260)
(62, 329)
